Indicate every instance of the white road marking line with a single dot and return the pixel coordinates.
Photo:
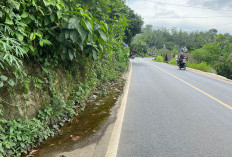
(115, 137)
(199, 90)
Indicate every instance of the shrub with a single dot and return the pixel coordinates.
(18, 136)
(224, 67)
(159, 59)
(57, 34)
(209, 53)
(200, 66)
(172, 61)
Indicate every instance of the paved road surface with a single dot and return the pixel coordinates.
(169, 115)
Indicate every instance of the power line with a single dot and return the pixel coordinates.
(182, 5)
(179, 17)
(218, 25)
(207, 27)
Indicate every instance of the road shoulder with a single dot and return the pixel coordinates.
(211, 75)
(208, 74)
(104, 144)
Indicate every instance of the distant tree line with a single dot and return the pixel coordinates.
(210, 47)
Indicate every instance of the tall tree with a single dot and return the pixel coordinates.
(135, 24)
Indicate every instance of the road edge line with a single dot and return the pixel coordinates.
(115, 136)
(208, 74)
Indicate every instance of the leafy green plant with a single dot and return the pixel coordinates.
(224, 67)
(19, 136)
(209, 53)
(172, 61)
(80, 32)
(159, 59)
(200, 66)
(86, 42)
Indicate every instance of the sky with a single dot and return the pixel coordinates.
(188, 15)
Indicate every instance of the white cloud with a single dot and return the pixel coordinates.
(178, 12)
(218, 4)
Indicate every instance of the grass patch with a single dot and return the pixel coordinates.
(172, 61)
(200, 66)
(159, 59)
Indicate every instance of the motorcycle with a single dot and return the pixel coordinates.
(182, 64)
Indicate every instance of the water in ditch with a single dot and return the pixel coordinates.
(83, 125)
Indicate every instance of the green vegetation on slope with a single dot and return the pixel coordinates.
(200, 66)
(159, 59)
(53, 53)
(172, 61)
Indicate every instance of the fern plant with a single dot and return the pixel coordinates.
(11, 52)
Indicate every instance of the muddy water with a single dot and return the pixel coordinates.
(83, 125)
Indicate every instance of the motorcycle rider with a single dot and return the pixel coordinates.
(182, 61)
(181, 58)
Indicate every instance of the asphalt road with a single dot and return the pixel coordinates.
(175, 113)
